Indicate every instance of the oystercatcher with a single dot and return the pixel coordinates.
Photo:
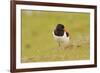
(61, 36)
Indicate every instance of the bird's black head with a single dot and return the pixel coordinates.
(59, 31)
(60, 27)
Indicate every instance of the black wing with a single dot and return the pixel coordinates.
(67, 34)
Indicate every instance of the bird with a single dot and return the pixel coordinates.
(61, 36)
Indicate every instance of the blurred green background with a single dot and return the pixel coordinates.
(38, 44)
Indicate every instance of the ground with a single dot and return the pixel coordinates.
(38, 44)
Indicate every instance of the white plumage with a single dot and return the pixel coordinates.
(61, 36)
(62, 40)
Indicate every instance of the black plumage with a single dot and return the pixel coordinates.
(59, 31)
(61, 35)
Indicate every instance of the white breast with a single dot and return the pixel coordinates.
(63, 39)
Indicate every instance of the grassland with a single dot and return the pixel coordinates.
(38, 44)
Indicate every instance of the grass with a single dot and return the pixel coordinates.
(38, 44)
